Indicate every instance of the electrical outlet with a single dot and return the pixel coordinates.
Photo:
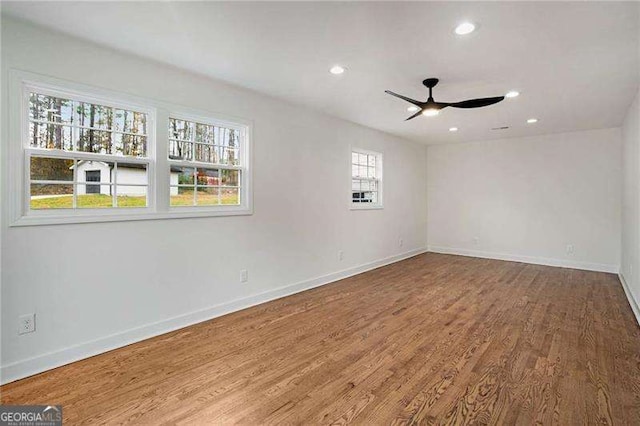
(340, 255)
(244, 276)
(400, 242)
(570, 249)
(27, 324)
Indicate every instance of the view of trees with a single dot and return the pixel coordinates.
(203, 142)
(75, 126)
(63, 124)
(57, 123)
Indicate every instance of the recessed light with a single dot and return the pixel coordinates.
(453, 129)
(532, 120)
(465, 28)
(336, 69)
(431, 112)
(512, 94)
(413, 108)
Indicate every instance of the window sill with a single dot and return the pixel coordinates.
(367, 207)
(36, 220)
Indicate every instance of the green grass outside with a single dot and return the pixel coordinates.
(96, 201)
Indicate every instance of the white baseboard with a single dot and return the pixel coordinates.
(632, 301)
(28, 367)
(564, 263)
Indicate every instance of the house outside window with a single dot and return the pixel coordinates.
(210, 163)
(83, 154)
(77, 149)
(366, 179)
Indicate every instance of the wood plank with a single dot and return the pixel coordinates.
(435, 339)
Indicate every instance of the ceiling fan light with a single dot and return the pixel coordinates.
(430, 112)
(336, 70)
(512, 94)
(532, 120)
(453, 129)
(413, 108)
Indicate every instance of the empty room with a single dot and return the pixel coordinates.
(372, 213)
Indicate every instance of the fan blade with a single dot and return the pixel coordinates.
(411, 101)
(414, 115)
(477, 103)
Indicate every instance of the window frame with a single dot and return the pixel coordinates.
(379, 179)
(17, 153)
(244, 166)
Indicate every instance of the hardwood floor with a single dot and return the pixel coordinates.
(435, 339)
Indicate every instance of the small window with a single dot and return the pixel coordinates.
(85, 155)
(366, 179)
(207, 166)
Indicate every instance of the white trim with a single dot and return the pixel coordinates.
(245, 168)
(15, 208)
(632, 301)
(563, 263)
(379, 179)
(28, 367)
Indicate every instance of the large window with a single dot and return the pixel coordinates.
(72, 142)
(206, 163)
(80, 154)
(366, 179)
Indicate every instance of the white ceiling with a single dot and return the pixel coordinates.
(575, 64)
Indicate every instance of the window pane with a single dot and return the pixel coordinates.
(230, 177)
(230, 157)
(94, 171)
(50, 136)
(96, 141)
(362, 171)
(130, 121)
(204, 133)
(207, 196)
(130, 145)
(49, 108)
(180, 129)
(363, 197)
(95, 116)
(362, 159)
(51, 196)
(371, 172)
(179, 150)
(131, 196)
(355, 185)
(209, 177)
(181, 196)
(43, 168)
(372, 160)
(131, 174)
(230, 195)
(354, 171)
(94, 196)
(354, 158)
(206, 154)
(182, 175)
(227, 137)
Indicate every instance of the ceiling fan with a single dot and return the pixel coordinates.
(431, 107)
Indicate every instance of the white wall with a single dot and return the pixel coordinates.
(630, 268)
(528, 198)
(149, 276)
